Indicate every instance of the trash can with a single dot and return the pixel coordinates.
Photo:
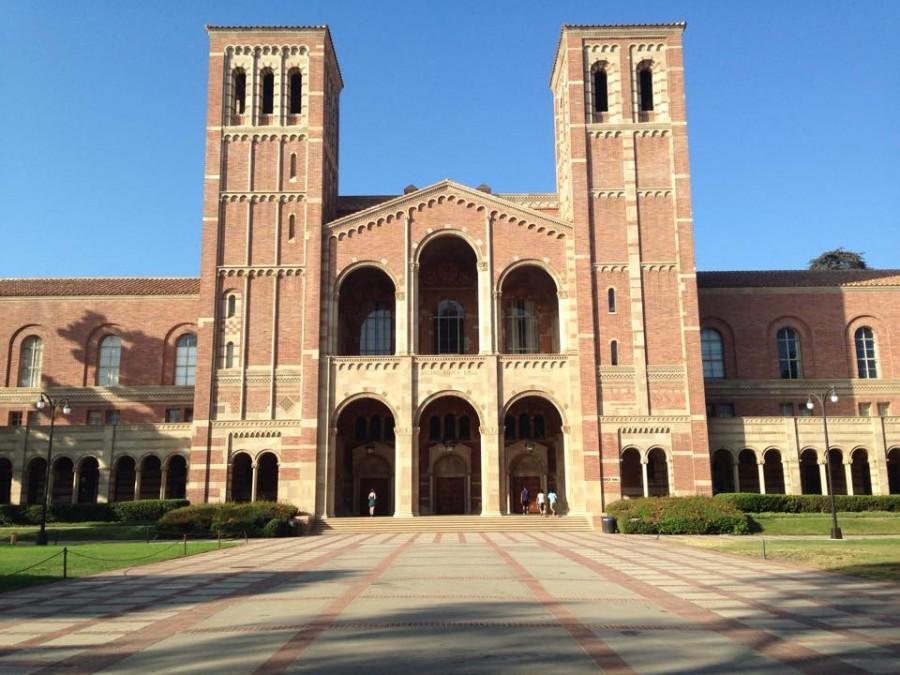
(609, 524)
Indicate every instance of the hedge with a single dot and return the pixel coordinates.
(145, 510)
(136, 512)
(750, 502)
(253, 519)
(678, 515)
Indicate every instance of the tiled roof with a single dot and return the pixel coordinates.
(100, 286)
(798, 278)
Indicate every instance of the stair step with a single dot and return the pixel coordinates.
(451, 524)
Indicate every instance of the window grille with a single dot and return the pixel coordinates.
(522, 327)
(712, 353)
(110, 356)
(186, 360)
(30, 361)
(866, 362)
(448, 328)
(788, 353)
(376, 332)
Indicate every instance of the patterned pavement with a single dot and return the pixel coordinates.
(521, 602)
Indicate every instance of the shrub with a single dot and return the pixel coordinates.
(196, 519)
(278, 527)
(12, 514)
(678, 515)
(145, 510)
(229, 520)
(750, 502)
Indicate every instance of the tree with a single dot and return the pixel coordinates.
(839, 259)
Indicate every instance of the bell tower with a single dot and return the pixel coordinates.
(270, 184)
(624, 182)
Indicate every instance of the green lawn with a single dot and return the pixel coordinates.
(867, 522)
(69, 532)
(869, 558)
(113, 556)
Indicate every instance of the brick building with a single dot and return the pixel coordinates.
(448, 345)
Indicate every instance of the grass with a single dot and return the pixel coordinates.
(68, 532)
(866, 522)
(111, 556)
(868, 558)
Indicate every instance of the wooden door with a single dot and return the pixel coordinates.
(533, 483)
(450, 495)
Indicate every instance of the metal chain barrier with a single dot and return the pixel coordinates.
(115, 560)
(37, 564)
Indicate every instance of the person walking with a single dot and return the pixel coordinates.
(525, 499)
(542, 502)
(373, 499)
(551, 499)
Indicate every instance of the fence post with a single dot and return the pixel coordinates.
(147, 527)
(220, 538)
(184, 541)
(65, 562)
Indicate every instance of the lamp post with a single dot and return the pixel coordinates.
(823, 399)
(46, 402)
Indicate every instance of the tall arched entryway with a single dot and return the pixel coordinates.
(723, 471)
(657, 473)
(364, 458)
(5, 480)
(810, 474)
(366, 313)
(893, 467)
(63, 480)
(748, 471)
(123, 481)
(632, 473)
(533, 453)
(860, 472)
(176, 477)
(773, 472)
(266, 477)
(449, 457)
(35, 480)
(447, 294)
(241, 484)
(151, 478)
(88, 480)
(838, 473)
(530, 312)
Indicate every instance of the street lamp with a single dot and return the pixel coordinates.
(823, 399)
(46, 402)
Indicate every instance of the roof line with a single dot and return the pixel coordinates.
(211, 27)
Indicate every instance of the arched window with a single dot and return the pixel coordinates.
(712, 353)
(293, 166)
(376, 331)
(375, 428)
(788, 354)
(359, 428)
(465, 428)
(522, 325)
(434, 428)
(448, 328)
(614, 352)
(524, 426)
(108, 366)
(185, 359)
(268, 92)
(509, 428)
(601, 89)
(866, 360)
(539, 429)
(230, 305)
(240, 90)
(611, 300)
(449, 427)
(645, 87)
(295, 84)
(292, 230)
(229, 355)
(31, 357)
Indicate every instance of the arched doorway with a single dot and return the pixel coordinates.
(723, 471)
(88, 480)
(5, 480)
(860, 472)
(123, 485)
(632, 473)
(657, 473)
(151, 477)
(63, 481)
(838, 474)
(366, 309)
(364, 459)
(893, 467)
(241, 478)
(36, 480)
(532, 426)
(449, 427)
(773, 472)
(810, 476)
(748, 471)
(447, 297)
(530, 312)
(176, 477)
(267, 477)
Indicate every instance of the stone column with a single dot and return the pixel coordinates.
(163, 479)
(76, 484)
(823, 477)
(403, 473)
(137, 482)
(645, 482)
(401, 323)
(412, 308)
(848, 472)
(490, 471)
(331, 472)
(253, 482)
(762, 477)
(103, 484)
(736, 472)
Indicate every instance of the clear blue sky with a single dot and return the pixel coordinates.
(793, 113)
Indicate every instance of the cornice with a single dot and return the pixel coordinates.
(746, 388)
(83, 395)
(245, 132)
(282, 197)
(260, 271)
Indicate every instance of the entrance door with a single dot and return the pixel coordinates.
(382, 487)
(533, 483)
(450, 495)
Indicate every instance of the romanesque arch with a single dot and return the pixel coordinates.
(860, 472)
(124, 476)
(893, 470)
(5, 480)
(657, 473)
(773, 471)
(748, 471)
(176, 477)
(35, 480)
(631, 473)
(88, 480)
(529, 310)
(838, 474)
(366, 312)
(150, 477)
(810, 474)
(266, 477)
(62, 480)
(365, 457)
(241, 482)
(723, 471)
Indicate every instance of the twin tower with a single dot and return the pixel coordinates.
(499, 340)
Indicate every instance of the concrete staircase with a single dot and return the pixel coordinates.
(516, 523)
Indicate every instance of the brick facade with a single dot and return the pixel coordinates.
(449, 345)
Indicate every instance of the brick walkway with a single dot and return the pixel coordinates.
(467, 603)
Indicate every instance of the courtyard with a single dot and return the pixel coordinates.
(462, 602)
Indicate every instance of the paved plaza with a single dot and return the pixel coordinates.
(397, 603)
